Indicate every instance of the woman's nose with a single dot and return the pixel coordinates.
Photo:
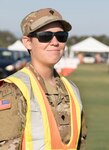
(54, 40)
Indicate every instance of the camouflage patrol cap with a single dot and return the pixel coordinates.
(37, 19)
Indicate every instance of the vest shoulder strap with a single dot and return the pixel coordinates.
(76, 92)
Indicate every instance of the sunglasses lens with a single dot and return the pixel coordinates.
(44, 36)
(61, 36)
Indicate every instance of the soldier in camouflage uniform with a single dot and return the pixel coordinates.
(45, 50)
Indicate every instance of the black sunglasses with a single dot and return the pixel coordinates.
(47, 36)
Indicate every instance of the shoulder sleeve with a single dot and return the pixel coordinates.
(83, 135)
(12, 115)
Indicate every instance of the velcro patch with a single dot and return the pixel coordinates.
(5, 104)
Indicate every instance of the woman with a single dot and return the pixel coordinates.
(47, 107)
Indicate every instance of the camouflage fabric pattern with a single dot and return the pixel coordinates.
(37, 19)
(12, 120)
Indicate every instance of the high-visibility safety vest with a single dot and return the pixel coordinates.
(41, 131)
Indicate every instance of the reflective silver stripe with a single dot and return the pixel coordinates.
(36, 116)
(77, 94)
(24, 78)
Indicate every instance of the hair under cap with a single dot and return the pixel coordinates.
(37, 19)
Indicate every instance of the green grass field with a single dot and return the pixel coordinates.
(93, 83)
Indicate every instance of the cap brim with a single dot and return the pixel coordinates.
(66, 26)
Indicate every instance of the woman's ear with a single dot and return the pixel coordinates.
(26, 42)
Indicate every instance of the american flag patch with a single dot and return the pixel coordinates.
(5, 104)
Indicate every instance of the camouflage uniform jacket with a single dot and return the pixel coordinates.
(13, 117)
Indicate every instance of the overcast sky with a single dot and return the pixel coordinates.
(88, 17)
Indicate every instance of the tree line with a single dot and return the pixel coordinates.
(7, 38)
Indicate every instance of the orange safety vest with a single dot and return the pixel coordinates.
(52, 137)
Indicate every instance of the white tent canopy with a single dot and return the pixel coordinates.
(90, 45)
(17, 46)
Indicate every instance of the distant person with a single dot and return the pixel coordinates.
(40, 110)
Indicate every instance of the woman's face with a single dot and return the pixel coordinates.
(46, 53)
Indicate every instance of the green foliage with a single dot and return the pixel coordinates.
(75, 39)
(104, 39)
(6, 38)
(93, 83)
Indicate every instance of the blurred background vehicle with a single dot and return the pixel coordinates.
(89, 58)
(12, 61)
